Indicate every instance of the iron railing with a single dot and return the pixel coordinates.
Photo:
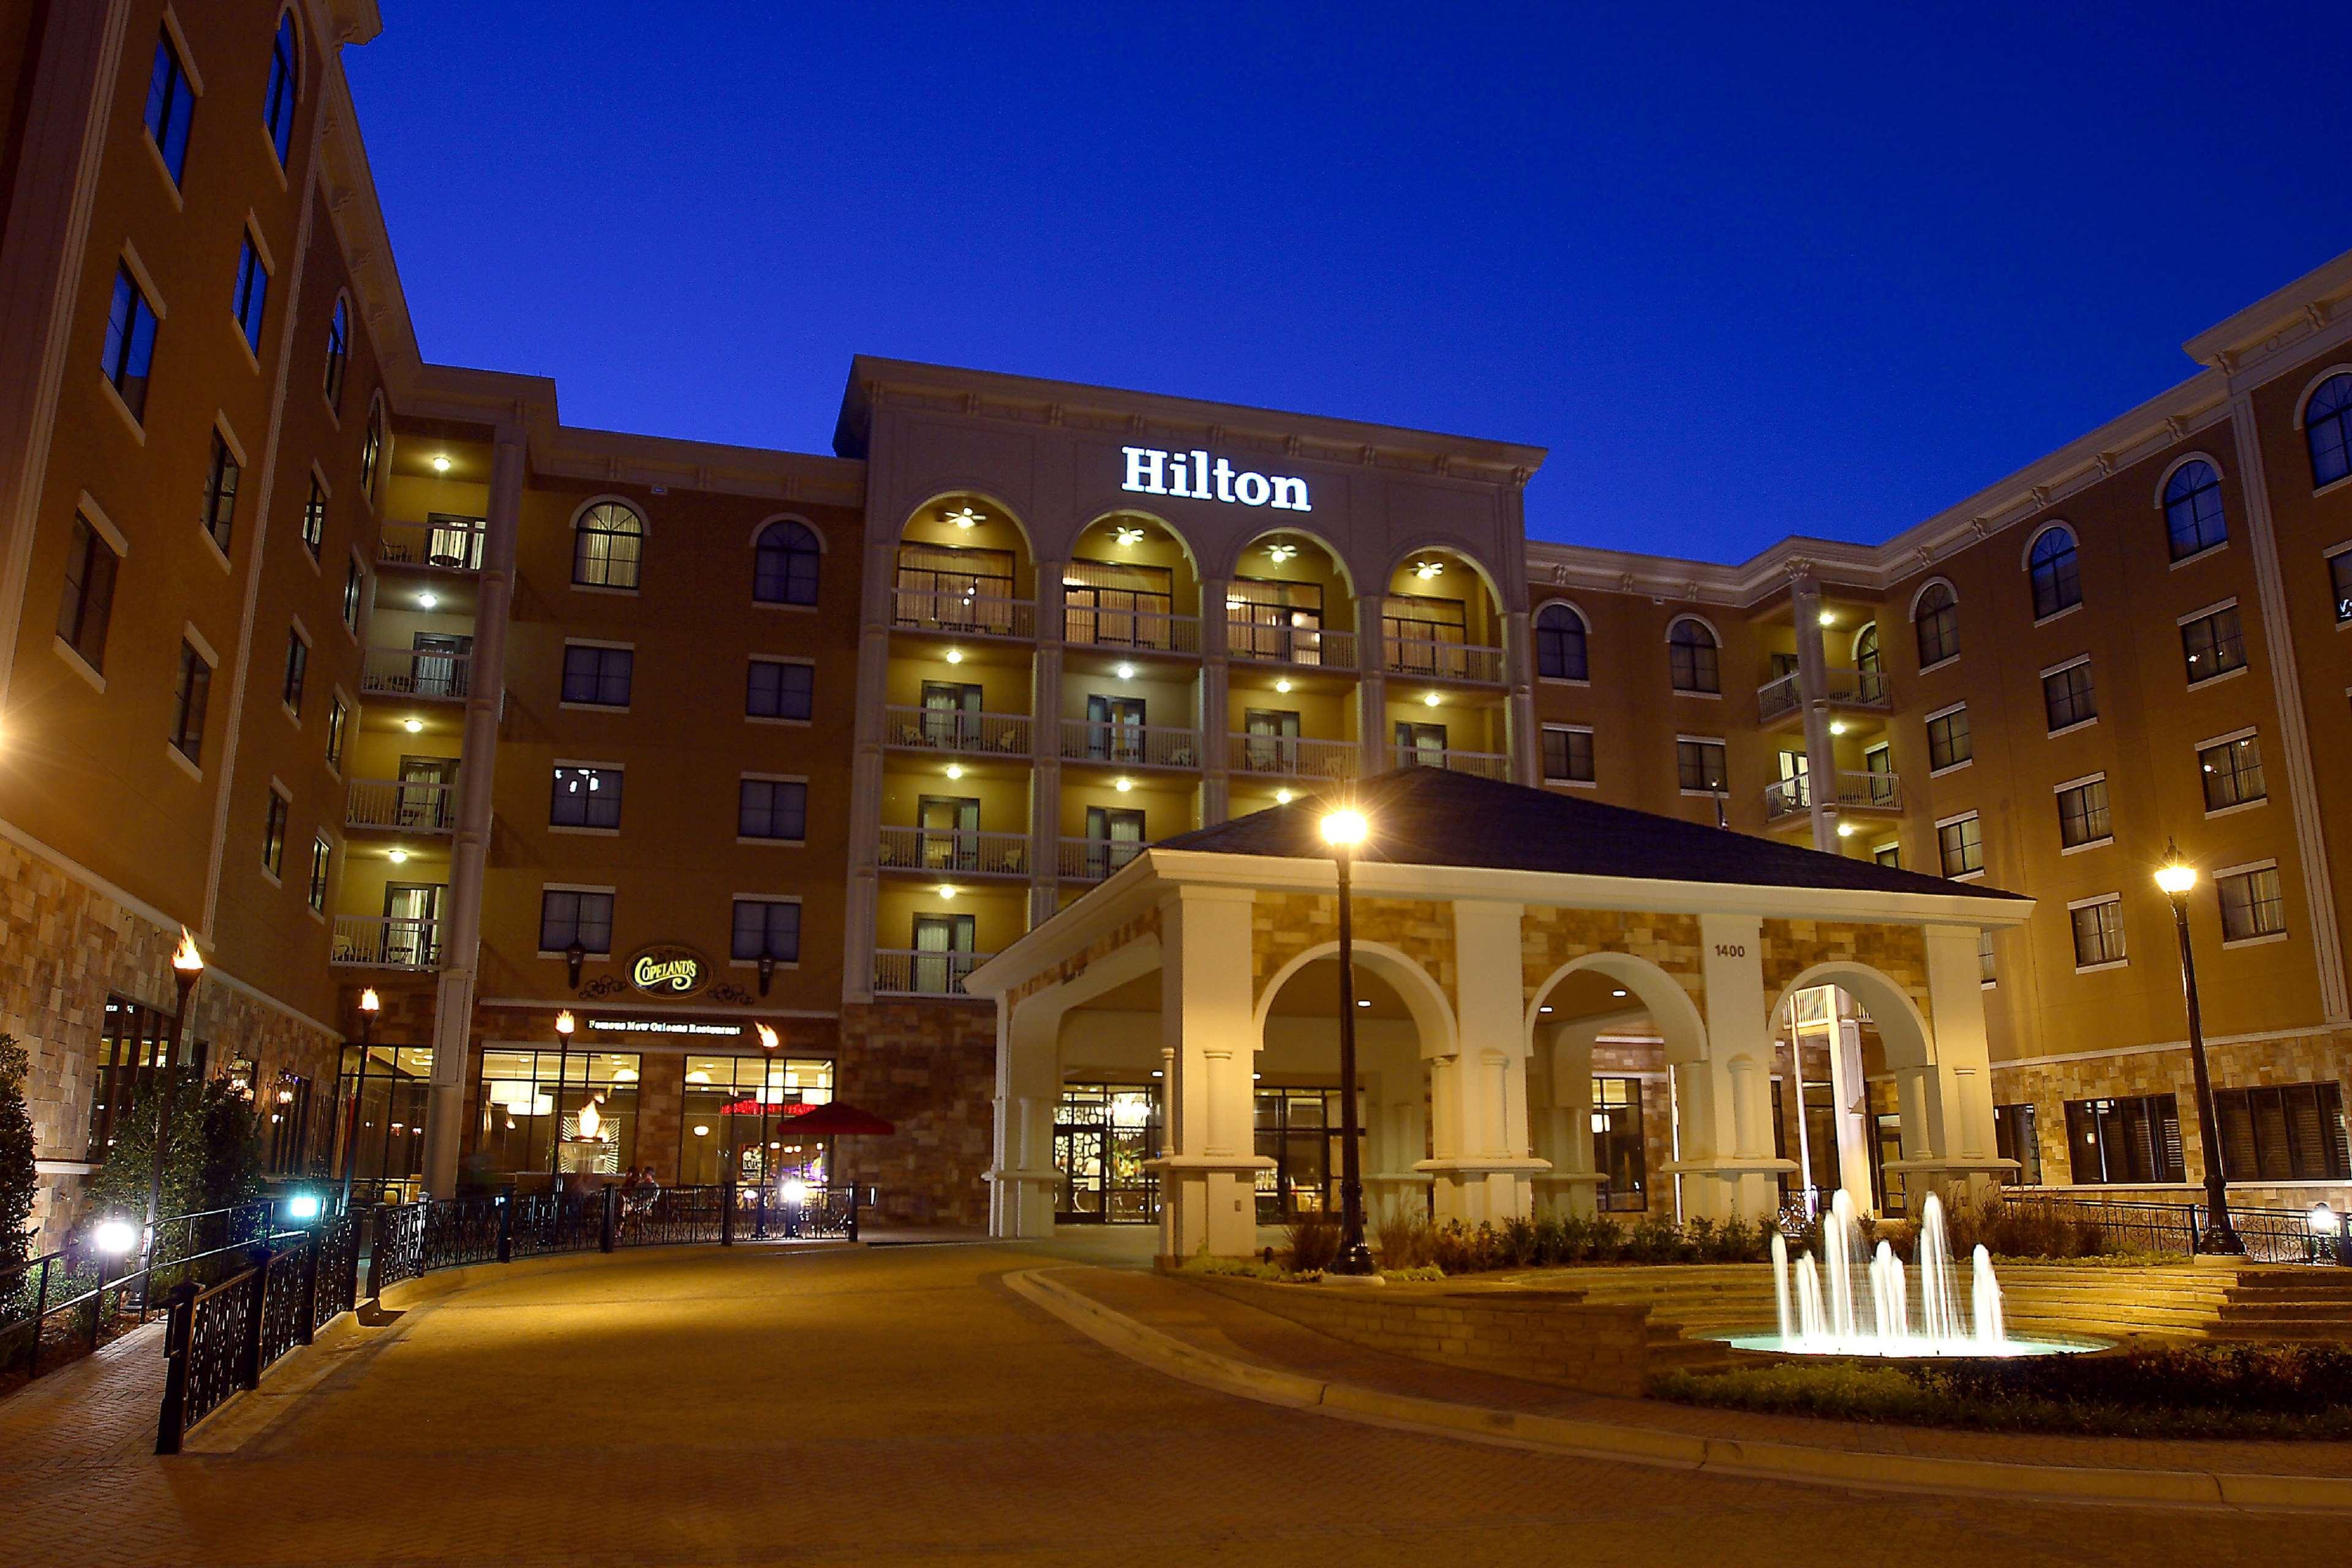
(416, 672)
(1093, 859)
(954, 730)
(1442, 659)
(910, 971)
(409, 805)
(1268, 642)
(2271, 1235)
(1106, 626)
(972, 850)
(373, 941)
(1130, 745)
(1485, 765)
(449, 544)
(1293, 756)
(961, 611)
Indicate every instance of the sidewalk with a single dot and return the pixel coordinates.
(98, 1410)
(1195, 1332)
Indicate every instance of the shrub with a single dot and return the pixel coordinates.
(1314, 1243)
(2024, 1230)
(1230, 1268)
(18, 1178)
(215, 1159)
(1402, 1239)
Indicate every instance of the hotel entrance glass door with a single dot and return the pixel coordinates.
(1102, 1135)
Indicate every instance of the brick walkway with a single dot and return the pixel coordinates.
(900, 1406)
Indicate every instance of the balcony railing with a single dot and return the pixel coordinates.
(1439, 660)
(1857, 790)
(448, 544)
(901, 971)
(1092, 859)
(953, 729)
(1147, 631)
(1313, 646)
(1781, 696)
(966, 851)
(1778, 697)
(399, 804)
(1130, 745)
(371, 941)
(405, 673)
(1485, 765)
(966, 614)
(1292, 756)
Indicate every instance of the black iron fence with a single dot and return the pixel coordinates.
(221, 1337)
(2270, 1235)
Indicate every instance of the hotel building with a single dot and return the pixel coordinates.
(373, 673)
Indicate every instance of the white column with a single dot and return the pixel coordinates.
(1727, 1157)
(1211, 708)
(1028, 1087)
(1813, 688)
(1850, 1100)
(1560, 1084)
(1485, 1164)
(1372, 734)
(1520, 727)
(1208, 1178)
(877, 612)
(1045, 750)
(453, 1016)
(1951, 1096)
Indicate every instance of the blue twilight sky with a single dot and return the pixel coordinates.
(1744, 273)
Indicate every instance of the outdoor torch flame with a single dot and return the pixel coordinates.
(768, 1037)
(589, 1119)
(186, 959)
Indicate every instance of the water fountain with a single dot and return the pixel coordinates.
(1853, 1301)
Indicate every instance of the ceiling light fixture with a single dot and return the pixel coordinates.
(955, 656)
(965, 518)
(1426, 570)
(397, 856)
(946, 890)
(1126, 534)
(1283, 798)
(1127, 672)
(414, 726)
(428, 600)
(1829, 617)
(955, 770)
(441, 464)
(1283, 684)
(1123, 785)
(1428, 699)
(1282, 552)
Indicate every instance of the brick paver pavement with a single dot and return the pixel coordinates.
(689, 1406)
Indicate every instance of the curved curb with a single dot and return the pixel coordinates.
(1779, 1461)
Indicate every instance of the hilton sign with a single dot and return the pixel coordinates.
(1152, 471)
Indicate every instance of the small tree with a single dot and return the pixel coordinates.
(18, 1178)
(214, 1161)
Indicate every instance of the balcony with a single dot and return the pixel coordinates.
(1309, 647)
(1093, 859)
(1140, 631)
(1130, 745)
(406, 672)
(964, 852)
(952, 730)
(1292, 757)
(962, 613)
(401, 805)
(1437, 659)
(901, 971)
(1857, 790)
(1866, 689)
(441, 545)
(1485, 765)
(372, 942)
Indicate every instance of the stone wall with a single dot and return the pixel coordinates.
(1552, 1337)
(1550, 938)
(930, 1068)
(1285, 925)
(1897, 951)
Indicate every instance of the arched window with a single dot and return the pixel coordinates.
(1560, 644)
(607, 543)
(1936, 618)
(1866, 649)
(2192, 510)
(2328, 426)
(784, 563)
(1696, 661)
(285, 86)
(339, 352)
(371, 450)
(2057, 573)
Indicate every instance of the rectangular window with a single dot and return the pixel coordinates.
(298, 669)
(220, 493)
(354, 591)
(339, 716)
(129, 343)
(1567, 755)
(314, 518)
(1889, 856)
(585, 798)
(767, 927)
(2232, 772)
(600, 677)
(1987, 974)
(273, 836)
(252, 294)
(322, 855)
(2083, 816)
(1961, 846)
(170, 105)
(772, 808)
(2251, 904)
(780, 688)
(2339, 582)
(188, 701)
(2067, 699)
(567, 915)
(2213, 643)
(2098, 932)
(2134, 1141)
(88, 603)
(1700, 764)
(1948, 745)
(2014, 1137)
(1619, 1151)
(2282, 1133)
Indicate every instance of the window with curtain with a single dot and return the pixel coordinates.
(2134, 1140)
(2282, 1133)
(607, 544)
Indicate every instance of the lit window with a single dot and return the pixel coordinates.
(2057, 570)
(252, 294)
(220, 493)
(285, 86)
(2213, 645)
(785, 565)
(2098, 932)
(1987, 974)
(129, 343)
(170, 105)
(2339, 582)
(1948, 742)
(1889, 856)
(2083, 814)
(780, 688)
(772, 808)
(585, 798)
(273, 836)
(1561, 644)
(1937, 621)
(188, 700)
(2192, 510)
(606, 546)
(1960, 846)
(314, 518)
(2067, 698)
(322, 854)
(2232, 772)
(2251, 904)
(1691, 650)
(339, 718)
(2327, 429)
(88, 603)
(1567, 755)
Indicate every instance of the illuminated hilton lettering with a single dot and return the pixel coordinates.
(678, 973)
(1153, 472)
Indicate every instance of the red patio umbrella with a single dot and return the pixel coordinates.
(833, 1119)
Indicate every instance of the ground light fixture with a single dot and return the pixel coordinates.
(1343, 830)
(302, 1208)
(2176, 878)
(114, 1236)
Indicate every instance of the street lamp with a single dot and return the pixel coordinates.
(370, 1005)
(564, 1025)
(188, 968)
(1343, 830)
(2176, 877)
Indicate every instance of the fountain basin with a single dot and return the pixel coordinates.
(1768, 1343)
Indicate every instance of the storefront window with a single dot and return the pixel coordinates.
(1617, 1150)
(1103, 1133)
(132, 1045)
(586, 1097)
(391, 1111)
(735, 1118)
(1299, 1130)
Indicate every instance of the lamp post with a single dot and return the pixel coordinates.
(1343, 830)
(188, 968)
(564, 1025)
(2176, 877)
(370, 1003)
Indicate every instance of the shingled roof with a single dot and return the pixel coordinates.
(1431, 816)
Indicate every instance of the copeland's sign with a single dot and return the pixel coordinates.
(1153, 472)
(668, 970)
